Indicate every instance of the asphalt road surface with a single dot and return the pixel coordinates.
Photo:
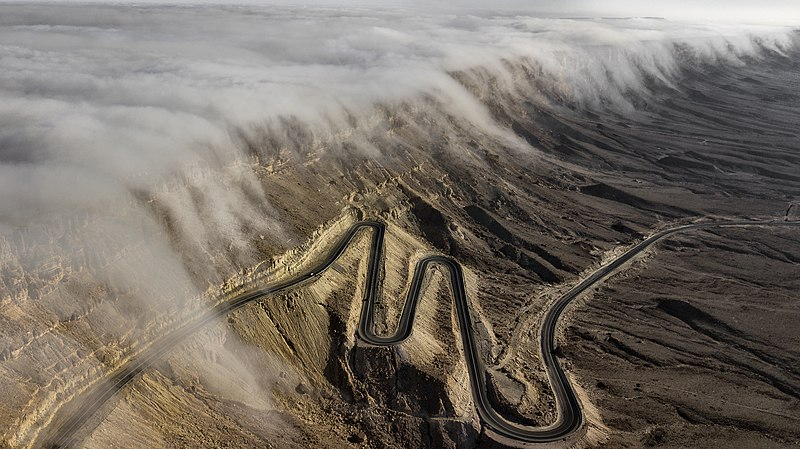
(62, 431)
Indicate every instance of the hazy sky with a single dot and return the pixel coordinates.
(784, 11)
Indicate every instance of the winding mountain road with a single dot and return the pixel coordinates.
(69, 419)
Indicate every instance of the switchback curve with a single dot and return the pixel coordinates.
(569, 417)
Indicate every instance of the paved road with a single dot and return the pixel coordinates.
(62, 430)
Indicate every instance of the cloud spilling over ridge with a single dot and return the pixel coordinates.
(115, 117)
(113, 93)
(101, 105)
